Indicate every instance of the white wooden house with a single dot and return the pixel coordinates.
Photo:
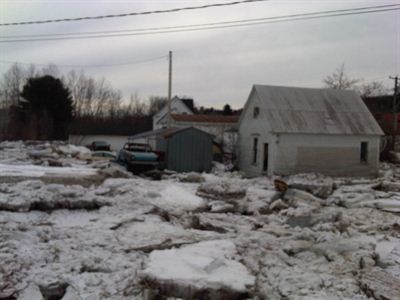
(288, 130)
(223, 128)
(178, 106)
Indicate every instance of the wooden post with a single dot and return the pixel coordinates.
(396, 79)
(169, 88)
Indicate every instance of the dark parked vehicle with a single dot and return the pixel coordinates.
(99, 146)
(138, 157)
(103, 155)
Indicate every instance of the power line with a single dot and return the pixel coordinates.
(90, 66)
(132, 13)
(90, 33)
(219, 25)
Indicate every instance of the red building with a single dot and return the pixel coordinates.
(381, 108)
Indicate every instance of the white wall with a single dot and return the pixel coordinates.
(246, 153)
(250, 128)
(336, 155)
(116, 141)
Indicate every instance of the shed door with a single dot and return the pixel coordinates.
(265, 161)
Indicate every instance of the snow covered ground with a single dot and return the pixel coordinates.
(196, 236)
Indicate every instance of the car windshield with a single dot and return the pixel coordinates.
(100, 143)
(137, 147)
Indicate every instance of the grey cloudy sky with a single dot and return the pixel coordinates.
(216, 66)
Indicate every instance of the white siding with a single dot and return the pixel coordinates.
(246, 153)
(177, 107)
(336, 155)
(249, 128)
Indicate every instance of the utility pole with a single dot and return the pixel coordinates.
(169, 89)
(396, 89)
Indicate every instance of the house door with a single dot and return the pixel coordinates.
(265, 161)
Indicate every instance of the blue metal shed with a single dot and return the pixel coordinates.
(185, 149)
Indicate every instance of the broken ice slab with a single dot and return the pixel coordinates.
(379, 284)
(221, 190)
(316, 184)
(205, 270)
(32, 291)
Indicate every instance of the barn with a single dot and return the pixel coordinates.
(183, 149)
(288, 130)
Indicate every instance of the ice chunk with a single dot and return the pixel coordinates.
(199, 267)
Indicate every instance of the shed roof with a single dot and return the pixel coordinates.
(316, 111)
(205, 118)
(157, 132)
(164, 132)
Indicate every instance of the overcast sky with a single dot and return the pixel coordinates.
(215, 66)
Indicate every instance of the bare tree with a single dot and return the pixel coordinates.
(12, 82)
(156, 103)
(373, 88)
(338, 80)
(50, 70)
(92, 97)
(16, 77)
(135, 106)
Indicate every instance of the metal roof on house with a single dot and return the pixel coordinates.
(205, 118)
(316, 111)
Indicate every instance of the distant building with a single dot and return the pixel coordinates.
(381, 108)
(287, 130)
(183, 149)
(178, 106)
(223, 128)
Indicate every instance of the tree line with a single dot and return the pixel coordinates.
(44, 103)
(80, 102)
(90, 96)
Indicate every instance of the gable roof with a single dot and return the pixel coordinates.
(315, 111)
(189, 103)
(205, 118)
(185, 102)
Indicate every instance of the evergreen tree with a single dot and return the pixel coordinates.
(48, 107)
(227, 110)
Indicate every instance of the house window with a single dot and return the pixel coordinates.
(256, 112)
(255, 146)
(364, 152)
